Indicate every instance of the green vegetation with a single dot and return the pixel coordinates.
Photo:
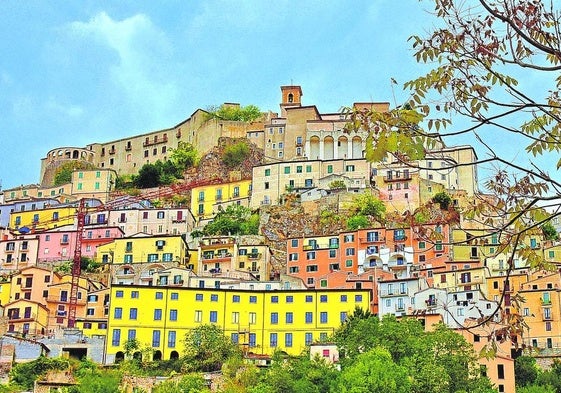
(184, 156)
(337, 185)
(23, 375)
(549, 231)
(188, 383)
(358, 221)
(63, 174)
(157, 174)
(234, 220)
(443, 199)
(235, 154)
(206, 348)
(247, 113)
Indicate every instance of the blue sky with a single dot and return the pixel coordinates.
(73, 73)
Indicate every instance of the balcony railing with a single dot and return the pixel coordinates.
(155, 141)
(392, 179)
(366, 240)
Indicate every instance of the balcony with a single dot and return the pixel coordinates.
(128, 148)
(545, 302)
(394, 292)
(547, 317)
(430, 303)
(227, 257)
(112, 151)
(64, 241)
(155, 141)
(124, 274)
(367, 240)
(16, 317)
(176, 283)
(392, 179)
(254, 256)
(10, 249)
(400, 307)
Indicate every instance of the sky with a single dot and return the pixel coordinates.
(74, 73)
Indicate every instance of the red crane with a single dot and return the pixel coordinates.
(81, 218)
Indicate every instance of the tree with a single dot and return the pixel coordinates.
(443, 199)
(184, 156)
(357, 221)
(235, 154)
(234, 220)
(337, 185)
(247, 113)
(367, 204)
(374, 371)
(206, 348)
(525, 370)
(549, 231)
(63, 174)
(148, 177)
(476, 56)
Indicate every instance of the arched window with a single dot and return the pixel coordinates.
(291, 97)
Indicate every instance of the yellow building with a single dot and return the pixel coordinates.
(27, 317)
(541, 311)
(207, 201)
(96, 183)
(94, 322)
(143, 248)
(259, 321)
(43, 219)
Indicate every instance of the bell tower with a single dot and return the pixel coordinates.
(291, 97)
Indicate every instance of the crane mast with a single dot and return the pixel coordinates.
(81, 218)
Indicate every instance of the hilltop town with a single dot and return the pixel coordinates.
(327, 232)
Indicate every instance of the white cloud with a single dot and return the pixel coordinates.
(144, 55)
(66, 110)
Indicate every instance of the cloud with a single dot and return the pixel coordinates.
(66, 110)
(144, 55)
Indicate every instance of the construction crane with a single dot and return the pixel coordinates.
(76, 261)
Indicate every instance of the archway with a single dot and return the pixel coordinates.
(174, 355)
(314, 148)
(119, 357)
(328, 148)
(157, 355)
(342, 147)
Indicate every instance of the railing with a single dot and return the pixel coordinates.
(388, 179)
(365, 240)
(394, 292)
(155, 141)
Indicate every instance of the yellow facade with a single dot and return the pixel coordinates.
(259, 321)
(143, 248)
(207, 201)
(94, 322)
(43, 219)
(5, 288)
(26, 317)
(93, 183)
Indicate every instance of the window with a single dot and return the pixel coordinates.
(343, 316)
(310, 255)
(350, 252)
(273, 338)
(159, 295)
(213, 316)
(235, 317)
(294, 243)
(116, 339)
(274, 299)
(134, 294)
(253, 299)
(158, 314)
(236, 298)
(173, 315)
(358, 298)
(289, 317)
(289, 299)
(133, 313)
(267, 172)
(309, 317)
(323, 298)
(155, 338)
(274, 317)
(312, 268)
(500, 371)
(171, 338)
(288, 340)
(309, 298)
(286, 170)
(213, 298)
(252, 318)
(308, 168)
(199, 297)
(118, 313)
(198, 315)
(323, 317)
(330, 169)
